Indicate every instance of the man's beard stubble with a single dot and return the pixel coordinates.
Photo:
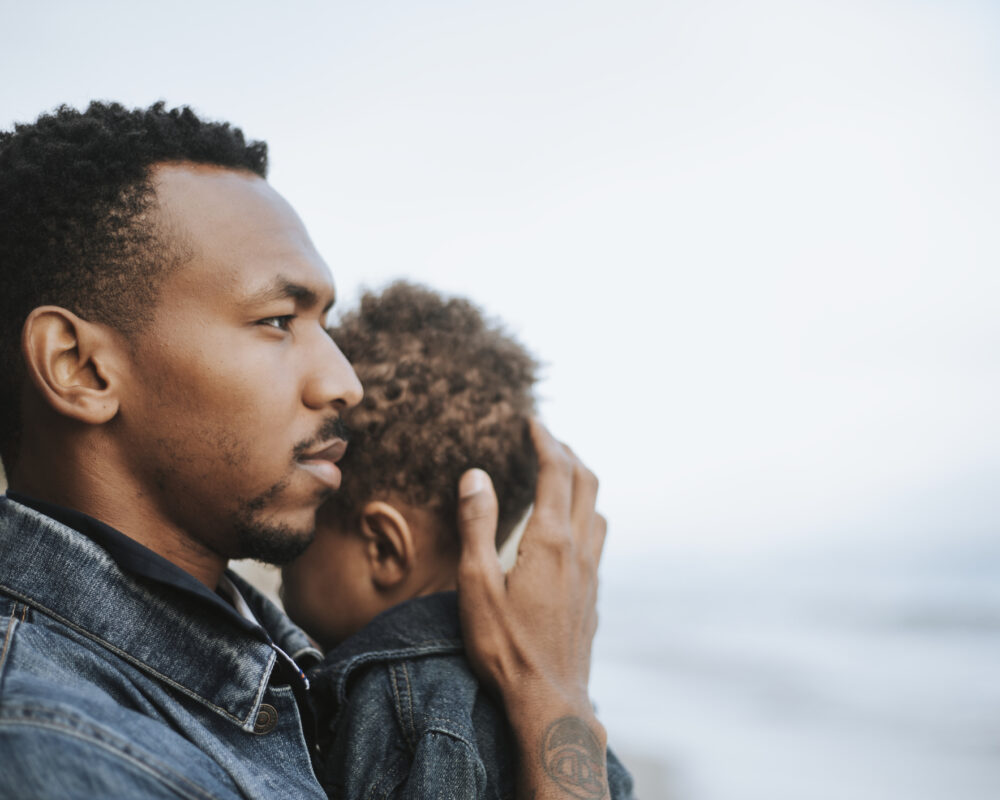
(266, 541)
(275, 543)
(272, 544)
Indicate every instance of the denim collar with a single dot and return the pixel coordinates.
(422, 626)
(132, 557)
(179, 637)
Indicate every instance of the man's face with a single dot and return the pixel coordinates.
(230, 415)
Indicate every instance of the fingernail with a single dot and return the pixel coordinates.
(473, 482)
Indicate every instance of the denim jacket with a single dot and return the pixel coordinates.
(114, 686)
(403, 716)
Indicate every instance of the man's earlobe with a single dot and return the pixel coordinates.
(388, 544)
(72, 363)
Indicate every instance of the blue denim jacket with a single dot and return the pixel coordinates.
(404, 716)
(114, 686)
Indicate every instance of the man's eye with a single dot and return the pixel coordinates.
(282, 323)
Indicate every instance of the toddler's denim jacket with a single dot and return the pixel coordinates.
(402, 715)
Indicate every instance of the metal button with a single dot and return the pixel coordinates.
(267, 718)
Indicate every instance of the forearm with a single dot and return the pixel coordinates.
(561, 748)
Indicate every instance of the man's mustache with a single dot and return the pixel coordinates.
(332, 428)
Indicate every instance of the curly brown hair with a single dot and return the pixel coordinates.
(446, 390)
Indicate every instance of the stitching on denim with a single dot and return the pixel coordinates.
(24, 613)
(165, 776)
(447, 727)
(248, 723)
(470, 749)
(8, 636)
(342, 671)
(409, 699)
(398, 702)
(144, 667)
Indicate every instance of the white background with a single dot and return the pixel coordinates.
(755, 242)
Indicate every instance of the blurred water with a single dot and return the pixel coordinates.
(745, 681)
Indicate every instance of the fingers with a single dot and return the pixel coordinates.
(567, 491)
(584, 499)
(477, 527)
(553, 493)
(598, 533)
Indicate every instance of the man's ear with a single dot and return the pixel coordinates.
(72, 363)
(388, 544)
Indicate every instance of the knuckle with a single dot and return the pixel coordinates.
(546, 445)
(547, 524)
(559, 457)
(557, 549)
(471, 569)
(568, 460)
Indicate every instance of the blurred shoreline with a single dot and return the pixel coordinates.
(822, 679)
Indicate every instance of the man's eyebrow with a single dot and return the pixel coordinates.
(283, 289)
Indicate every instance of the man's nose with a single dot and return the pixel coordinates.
(332, 381)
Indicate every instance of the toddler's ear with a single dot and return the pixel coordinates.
(389, 544)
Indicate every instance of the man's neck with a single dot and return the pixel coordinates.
(76, 484)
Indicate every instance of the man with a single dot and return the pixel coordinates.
(172, 401)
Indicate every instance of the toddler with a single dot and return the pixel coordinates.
(445, 391)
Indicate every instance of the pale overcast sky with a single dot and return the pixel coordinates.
(756, 242)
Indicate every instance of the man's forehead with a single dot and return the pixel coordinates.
(247, 235)
(204, 195)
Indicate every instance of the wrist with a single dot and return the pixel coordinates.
(562, 751)
(533, 707)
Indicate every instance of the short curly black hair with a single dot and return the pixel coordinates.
(446, 390)
(75, 192)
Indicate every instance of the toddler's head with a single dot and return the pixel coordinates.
(445, 391)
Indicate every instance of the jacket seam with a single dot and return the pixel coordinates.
(160, 773)
(141, 665)
(471, 751)
(409, 701)
(341, 671)
(448, 727)
(8, 636)
(404, 707)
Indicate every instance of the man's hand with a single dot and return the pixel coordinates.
(529, 632)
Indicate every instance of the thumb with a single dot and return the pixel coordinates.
(477, 523)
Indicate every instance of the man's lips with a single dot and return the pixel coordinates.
(322, 462)
(332, 450)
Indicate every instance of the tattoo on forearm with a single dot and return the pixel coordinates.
(574, 759)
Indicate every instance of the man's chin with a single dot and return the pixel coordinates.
(272, 544)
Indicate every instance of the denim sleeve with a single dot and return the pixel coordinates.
(444, 767)
(88, 765)
(439, 767)
(449, 768)
(619, 779)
